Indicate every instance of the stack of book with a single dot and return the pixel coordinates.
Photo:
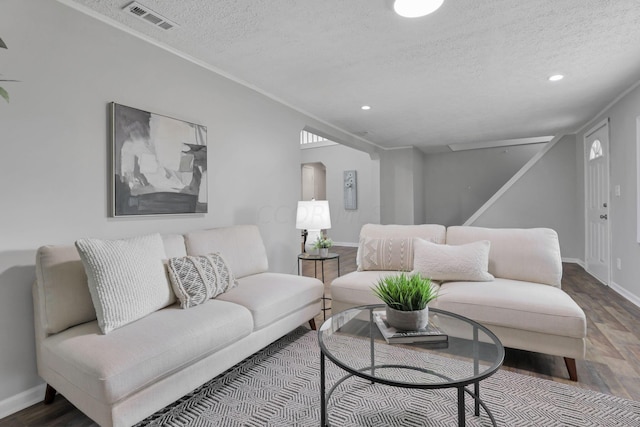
(394, 336)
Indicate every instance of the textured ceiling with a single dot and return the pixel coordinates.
(473, 71)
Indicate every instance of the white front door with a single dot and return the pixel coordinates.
(596, 144)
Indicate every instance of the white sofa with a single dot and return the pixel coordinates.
(122, 377)
(524, 305)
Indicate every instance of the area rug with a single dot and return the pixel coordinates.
(280, 386)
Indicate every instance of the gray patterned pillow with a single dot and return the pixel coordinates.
(195, 279)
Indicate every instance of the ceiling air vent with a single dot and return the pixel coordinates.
(148, 15)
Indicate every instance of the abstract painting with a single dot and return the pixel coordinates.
(159, 164)
(350, 190)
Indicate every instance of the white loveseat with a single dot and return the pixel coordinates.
(122, 377)
(524, 305)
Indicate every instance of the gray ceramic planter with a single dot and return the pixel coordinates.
(408, 320)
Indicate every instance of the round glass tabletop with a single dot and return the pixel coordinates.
(467, 353)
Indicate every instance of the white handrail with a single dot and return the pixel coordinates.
(515, 178)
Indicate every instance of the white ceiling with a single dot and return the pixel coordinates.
(474, 71)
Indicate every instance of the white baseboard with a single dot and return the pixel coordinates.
(348, 244)
(22, 400)
(574, 261)
(625, 293)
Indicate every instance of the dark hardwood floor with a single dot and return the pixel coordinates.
(612, 363)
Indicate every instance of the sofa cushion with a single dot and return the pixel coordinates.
(195, 279)
(357, 287)
(113, 366)
(271, 296)
(62, 287)
(531, 255)
(174, 245)
(62, 284)
(126, 278)
(448, 262)
(515, 304)
(432, 232)
(241, 246)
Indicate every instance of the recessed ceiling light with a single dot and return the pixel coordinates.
(556, 77)
(366, 107)
(416, 8)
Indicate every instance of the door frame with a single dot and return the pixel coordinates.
(585, 161)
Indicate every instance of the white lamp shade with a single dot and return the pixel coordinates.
(313, 215)
(416, 8)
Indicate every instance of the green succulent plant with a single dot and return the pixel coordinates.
(322, 242)
(406, 292)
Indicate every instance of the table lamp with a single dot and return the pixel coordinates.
(312, 217)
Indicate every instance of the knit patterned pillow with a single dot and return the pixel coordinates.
(195, 279)
(395, 254)
(126, 278)
(469, 262)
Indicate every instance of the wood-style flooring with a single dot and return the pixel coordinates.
(612, 363)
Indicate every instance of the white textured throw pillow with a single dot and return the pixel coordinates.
(195, 279)
(468, 262)
(126, 278)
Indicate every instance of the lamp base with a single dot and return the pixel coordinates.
(312, 236)
(304, 240)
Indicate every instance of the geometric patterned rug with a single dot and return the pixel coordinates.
(280, 386)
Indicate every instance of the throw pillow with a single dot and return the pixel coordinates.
(395, 254)
(195, 279)
(468, 262)
(126, 278)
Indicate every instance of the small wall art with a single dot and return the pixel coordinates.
(350, 190)
(159, 164)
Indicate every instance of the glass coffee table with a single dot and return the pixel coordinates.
(353, 342)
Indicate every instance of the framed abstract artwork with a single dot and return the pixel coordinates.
(350, 189)
(159, 164)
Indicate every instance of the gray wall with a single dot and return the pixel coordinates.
(419, 168)
(397, 183)
(623, 211)
(53, 164)
(458, 183)
(346, 224)
(547, 195)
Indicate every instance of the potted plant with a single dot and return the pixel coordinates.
(323, 244)
(406, 297)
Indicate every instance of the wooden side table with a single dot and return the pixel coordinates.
(315, 258)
